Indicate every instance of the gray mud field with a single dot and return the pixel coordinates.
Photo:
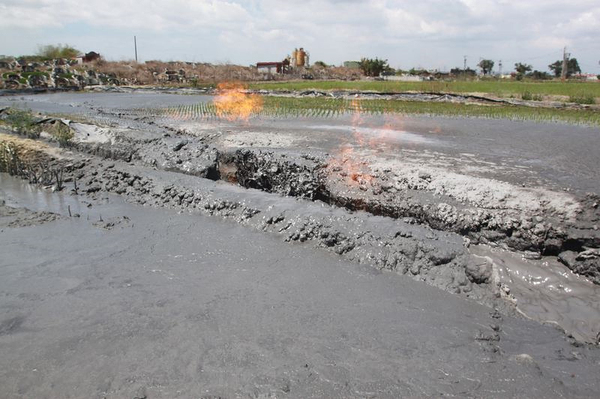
(170, 252)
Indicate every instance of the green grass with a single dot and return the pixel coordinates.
(36, 73)
(582, 99)
(284, 107)
(5, 75)
(494, 87)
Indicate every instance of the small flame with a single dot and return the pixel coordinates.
(347, 163)
(233, 104)
(354, 171)
(437, 130)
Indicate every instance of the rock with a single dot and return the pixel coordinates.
(586, 263)
(487, 336)
(179, 145)
(93, 189)
(425, 176)
(568, 258)
(479, 271)
(553, 246)
(532, 255)
(524, 358)
(593, 253)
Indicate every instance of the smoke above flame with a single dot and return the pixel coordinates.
(234, 104)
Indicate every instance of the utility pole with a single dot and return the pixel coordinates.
(500, 67)
(465, 63)
(563, 74)
(135, 47)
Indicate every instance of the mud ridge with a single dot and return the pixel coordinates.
(418, 96)
(546, 232)
(439, 258)
(391, 218)
(553, 227)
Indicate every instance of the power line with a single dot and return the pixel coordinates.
(531, 58)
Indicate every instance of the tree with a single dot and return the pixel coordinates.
(556, 67)
(463, 72)
(486, 66)
(572, 67)
(51, 52)
(320, 64)
(522, 68)
(372, 67)
(539, 75)
(389, 71)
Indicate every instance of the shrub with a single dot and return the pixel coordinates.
(582, 99)
(9, 159)
(61, 51)
(62, 133)
(528, 96)
(537, 97)
(23, 122)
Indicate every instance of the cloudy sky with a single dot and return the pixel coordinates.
(421, 33)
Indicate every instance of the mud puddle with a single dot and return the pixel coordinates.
(19, 193)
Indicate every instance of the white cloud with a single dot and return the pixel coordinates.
(148, 14)
(432, 33)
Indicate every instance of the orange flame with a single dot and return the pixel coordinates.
(347, 163)
(233, 104)
(354, 171)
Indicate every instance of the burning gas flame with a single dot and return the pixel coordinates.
(349, 166)
(234, 104)
(347, 162)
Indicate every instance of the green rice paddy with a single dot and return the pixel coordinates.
(319, 107)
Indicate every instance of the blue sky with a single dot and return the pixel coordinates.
(426, 33)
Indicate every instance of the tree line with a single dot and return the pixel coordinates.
(378, 67)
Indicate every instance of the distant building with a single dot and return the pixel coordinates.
(403, 78)
(273, 67)
(586, 76)
(91, 56)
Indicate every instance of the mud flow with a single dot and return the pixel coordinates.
(500, 212)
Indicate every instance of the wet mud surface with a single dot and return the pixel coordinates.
(172, 304)
(468, 206)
